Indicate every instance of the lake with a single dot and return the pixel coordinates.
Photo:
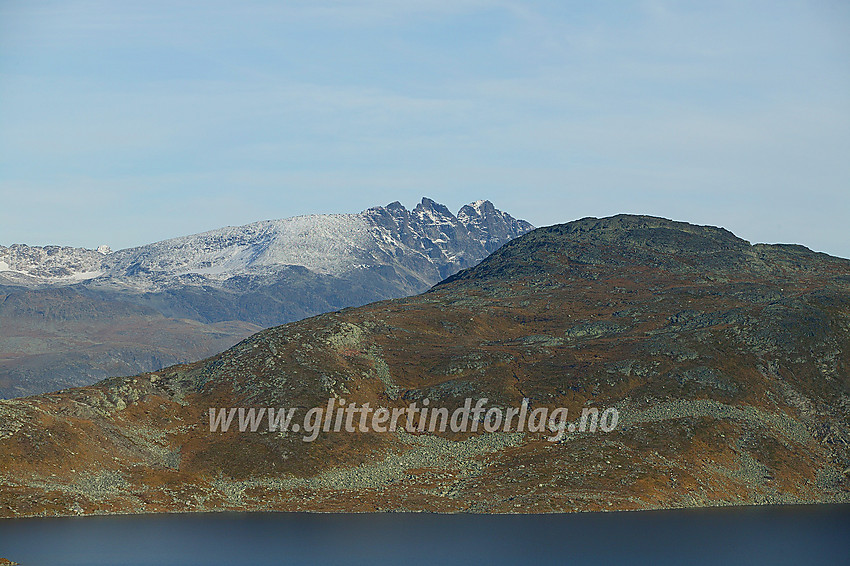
(750, 535)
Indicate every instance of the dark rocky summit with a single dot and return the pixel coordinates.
(729, 364)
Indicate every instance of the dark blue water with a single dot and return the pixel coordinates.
(775, 535)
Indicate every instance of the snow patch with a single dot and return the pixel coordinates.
(80, 276)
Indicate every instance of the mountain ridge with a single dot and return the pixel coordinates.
(732, 385)
(224, 284)
(673, 243)
(323, 243)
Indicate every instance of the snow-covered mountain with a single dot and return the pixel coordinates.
(63, 265)
(70, 316)
(426, 244)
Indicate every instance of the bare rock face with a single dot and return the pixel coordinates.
(728, 364)
(119, 313)
(490, 226)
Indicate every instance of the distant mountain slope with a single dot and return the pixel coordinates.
(35, 266)
(425, 245)
(258, 275)
(56, 338)
(729, 364)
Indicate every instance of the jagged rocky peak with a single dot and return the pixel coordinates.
(447, 241)
(490, 226)
(428, 243)
(395, 208)
(432, 211)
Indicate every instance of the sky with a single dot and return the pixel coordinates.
(124, 123)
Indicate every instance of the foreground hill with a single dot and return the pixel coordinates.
(72, 316)
(728, 364)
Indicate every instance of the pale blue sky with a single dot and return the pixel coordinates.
(129, 122)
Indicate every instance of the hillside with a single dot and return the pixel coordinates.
(727, 362)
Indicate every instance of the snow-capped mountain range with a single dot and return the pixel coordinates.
(71, 316)
(427, 244)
